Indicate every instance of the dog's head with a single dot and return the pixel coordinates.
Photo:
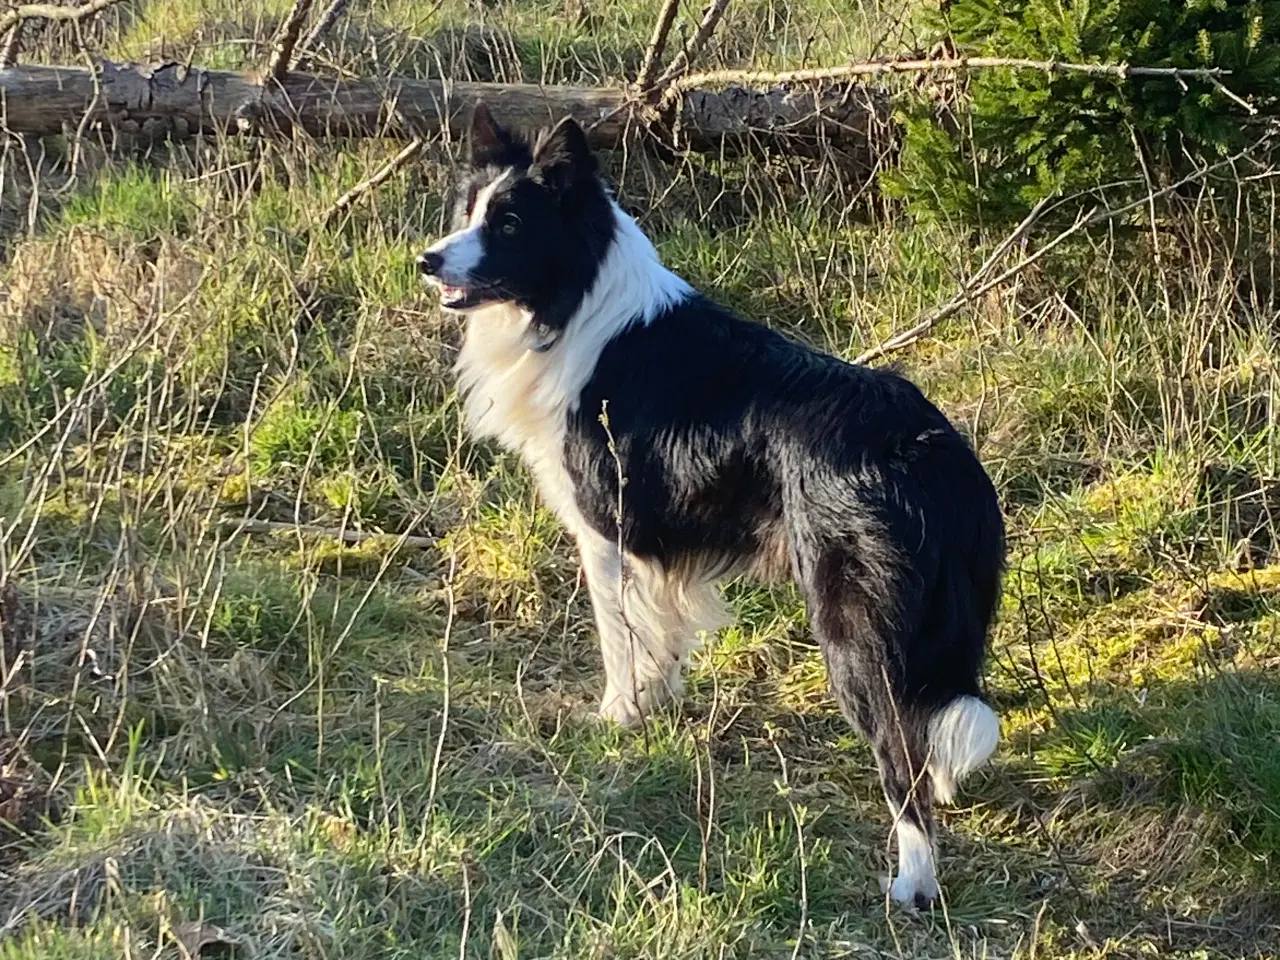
(531, 225)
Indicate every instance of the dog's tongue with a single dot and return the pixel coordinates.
(448, 293)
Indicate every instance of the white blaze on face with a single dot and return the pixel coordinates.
(464, 249)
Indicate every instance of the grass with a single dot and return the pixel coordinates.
(281, 745)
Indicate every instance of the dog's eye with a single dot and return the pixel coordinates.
(510, 224)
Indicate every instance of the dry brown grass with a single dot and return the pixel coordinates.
(366, 750)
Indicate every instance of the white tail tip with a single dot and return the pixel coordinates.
(962, 737)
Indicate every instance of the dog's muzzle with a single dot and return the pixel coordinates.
(453, 296)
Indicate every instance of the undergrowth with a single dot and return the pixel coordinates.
(226, 725)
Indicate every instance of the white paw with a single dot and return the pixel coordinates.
(629, 708)
(619, 708)
(919, 892)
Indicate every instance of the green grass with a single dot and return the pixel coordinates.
(367, 750)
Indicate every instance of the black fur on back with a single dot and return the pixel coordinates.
(738, 444)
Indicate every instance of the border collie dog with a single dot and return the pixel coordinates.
(681, 445)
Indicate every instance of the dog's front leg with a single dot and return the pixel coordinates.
(641, 667)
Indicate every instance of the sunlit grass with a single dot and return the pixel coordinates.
(328, 747)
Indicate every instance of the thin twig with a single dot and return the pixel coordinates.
(49, 11)
(288, 39)
(968, 292)
(372, 183)
(77, 143)
(624, 568)
(322, 26)
(1232, 95)
(686, 57)
(657, 43)
(12, 44)
(242, 525)
(786, 790)
(879, 68)
(466, 908)
(452, 612)
(971, 290)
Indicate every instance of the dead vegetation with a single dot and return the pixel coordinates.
(290, 669)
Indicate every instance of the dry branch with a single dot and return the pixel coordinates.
(318, 32)
(657, 44)
(288, 40)
(883, 68)
(372, 183)
(684, 60)
(846, 119)
(974, 287)
(50, 11)
(977, 286)
(12, 44)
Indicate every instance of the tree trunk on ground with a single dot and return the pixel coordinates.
(848, 120)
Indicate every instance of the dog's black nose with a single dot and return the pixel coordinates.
(430, 263)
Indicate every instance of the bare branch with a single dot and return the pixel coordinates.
(372, 183)
(1232, 95)
(684, 60)
(288, 40)
(12, 44)
(975, 287)
(318, 32)
(49, 11)
(657, 43)
(881, 68)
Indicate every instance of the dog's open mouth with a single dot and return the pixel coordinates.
(463, 298)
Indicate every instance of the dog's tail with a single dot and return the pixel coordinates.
(962, 737)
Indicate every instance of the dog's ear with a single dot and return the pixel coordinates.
(490, 144)
(562, 156)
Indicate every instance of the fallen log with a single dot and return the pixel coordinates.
(847, 119)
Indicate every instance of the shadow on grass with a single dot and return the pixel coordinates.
(301, 785)
(1166, 825)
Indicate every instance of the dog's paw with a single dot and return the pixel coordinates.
(919, 892)
(620, 709)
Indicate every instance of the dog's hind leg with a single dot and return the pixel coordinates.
(649, 620)
(909, 792)
(847, 606)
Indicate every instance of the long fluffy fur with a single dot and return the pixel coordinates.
(680, 445)
(962, 737)
(522, 397)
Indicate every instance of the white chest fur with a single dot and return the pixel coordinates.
(517, 396)
(522, 398)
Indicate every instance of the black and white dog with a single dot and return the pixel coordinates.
(681, 445)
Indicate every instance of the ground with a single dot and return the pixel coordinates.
(219, 737)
